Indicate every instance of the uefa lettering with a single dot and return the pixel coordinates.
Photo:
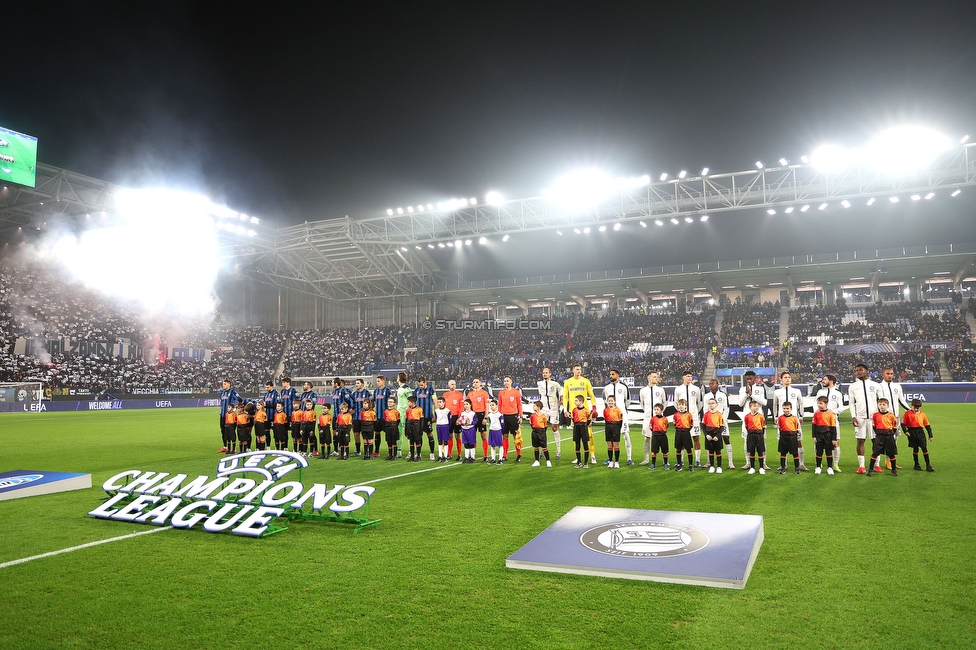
(247, 497)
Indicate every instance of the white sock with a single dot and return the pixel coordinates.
(627, 444)
(801, 457)
(836, 456)
(860, 461)
(728, 451)
(647, 448)
(556, 436)
(745, 450)
(698, 455)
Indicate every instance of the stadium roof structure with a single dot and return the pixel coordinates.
(385, 256)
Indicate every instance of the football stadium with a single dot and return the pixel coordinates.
(662, 404)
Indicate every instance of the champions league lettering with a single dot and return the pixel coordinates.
(245, 498)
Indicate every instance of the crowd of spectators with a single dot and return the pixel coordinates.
(322, 353)
(751, 325)
(962, 364)
(911, 365)
(615, 333)
(880, 323)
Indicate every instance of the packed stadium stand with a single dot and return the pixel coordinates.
(751, 325)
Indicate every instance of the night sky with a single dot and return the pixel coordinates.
(294, 113)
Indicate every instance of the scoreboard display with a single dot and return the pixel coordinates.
(18, 157)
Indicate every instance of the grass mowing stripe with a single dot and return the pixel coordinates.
(81, 546)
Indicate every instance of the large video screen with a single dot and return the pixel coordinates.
(18, 157)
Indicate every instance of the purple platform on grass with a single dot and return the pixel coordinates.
(696, 548)
(28, 482)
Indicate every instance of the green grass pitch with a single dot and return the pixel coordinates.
(847, 561)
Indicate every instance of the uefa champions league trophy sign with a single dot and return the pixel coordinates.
(247, 497)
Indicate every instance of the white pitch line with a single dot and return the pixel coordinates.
(419, 471)
(78, 548)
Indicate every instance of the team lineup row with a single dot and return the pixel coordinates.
(366, 416)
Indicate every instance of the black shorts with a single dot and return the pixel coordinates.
(510, 424)
(280, 432)
(342, 436)
(325, 435)
(367, 429)
(392, 430)
(427, 425)
(230, 432)
(581, 432)
(244, 433)
(659, 443)
(716, 445)
(455, 427)
(357, 426)
(480, 421)
(884, 443)
(539, 438)
(788, 444)
(612, 431)
(916, 439)
(755, 444)
(260, 429)
(412, 431)
(682, 440)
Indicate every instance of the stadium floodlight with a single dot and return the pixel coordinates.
(588, 187)
(664, 177)
(505, 238)
(704, 217)
(418, 248)
(893, 199)
(823, 206)
(916, 197)
(644, 180)
(682, 174)
(251, 233)
(871, 200)
(458, 242)
(255, 220)
(399, 210)
(403, 248)
(463, 203)
(675, 221)
(905, 148)
(467, 242)
(410, 209)
(559, 232)
(789, 210)
(642, 224)
(430, 207)
(473, 201)
(759, 164)
(440, 245)
(929, 195)
(956, 193)
(831, 157)
(430, 246)
(704, 171)
(389, 211)
(964, 140)
(484, 240)
(586, 231)
(616, 226)
(440, 205)
(689, 220)
(658, 222)
(784, 162)
(577, 231)
(845, 203)
(804, 159)
(805, 208)
(493, 198)
(771, 211)
(420, 208)
(603, 228)
(243, 217)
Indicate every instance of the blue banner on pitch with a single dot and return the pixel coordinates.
(27, 483)
(697, 548)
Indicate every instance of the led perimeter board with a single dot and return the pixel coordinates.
(18, 157)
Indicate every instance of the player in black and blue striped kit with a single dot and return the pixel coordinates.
(381, 395)
(340, 395)
(358, 396)
(425, 402)
(228, 397)
(270, 398)
(287, 396)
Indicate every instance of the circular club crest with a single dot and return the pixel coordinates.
(644, 539)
